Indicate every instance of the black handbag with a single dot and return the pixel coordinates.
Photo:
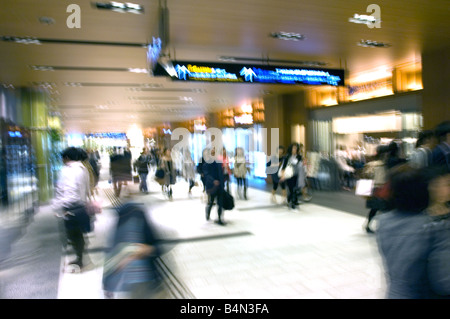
(228, 201)
(159, 173)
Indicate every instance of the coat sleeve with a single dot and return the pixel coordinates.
(439, 258)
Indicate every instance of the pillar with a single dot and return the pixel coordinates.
(34, 106)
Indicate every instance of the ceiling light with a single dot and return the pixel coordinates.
(373, 44)
(73, 84)
(287, 36)
(120, 7)
(42, 68)
(267, 60)
(137, 70)
(46, 20)
(363, 19)
(22, 40)
(227, 59)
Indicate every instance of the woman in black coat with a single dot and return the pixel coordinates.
(289, 172)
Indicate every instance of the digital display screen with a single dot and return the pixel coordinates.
(246, 73)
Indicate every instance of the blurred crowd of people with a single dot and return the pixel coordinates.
(413, 232)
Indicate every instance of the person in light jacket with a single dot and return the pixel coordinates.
(71, 196)
(377, 171)
(189, 170)
(240, 172)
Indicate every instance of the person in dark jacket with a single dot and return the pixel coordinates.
(142, 166)
(130, 265)
(393, 157)
(291, 161)
(200, 166)
(416, 257)
(214, 185)
(274, 176)
(441, 153)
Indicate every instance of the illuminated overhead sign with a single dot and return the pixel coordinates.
(245, 73)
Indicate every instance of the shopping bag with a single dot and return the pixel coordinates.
(364, 187)
(136, 179)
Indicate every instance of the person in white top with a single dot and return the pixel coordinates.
(71, 195)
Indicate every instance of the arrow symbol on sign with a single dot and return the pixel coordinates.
(247, 73)
(182, 71)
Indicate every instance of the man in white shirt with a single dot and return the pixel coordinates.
(71, 194)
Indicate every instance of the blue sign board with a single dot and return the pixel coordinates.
(245, 73)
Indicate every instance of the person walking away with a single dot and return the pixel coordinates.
(215, 185)
(441, 153)
(289, 172)
(93, 161)
(71, 194)
(274, 176)
(126, 168)
(169, 172)
(226, 168)
(130, 269)
(84, 159)
(422, 156)
(115, 171)
(393, 157)
(142, 168)
(346, 172)
(240, 172)
(200, 171)
(415, 255)
(188, 170)
(375, 170)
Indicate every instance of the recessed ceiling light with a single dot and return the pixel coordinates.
(137, 70)
(120, 7)
(22, 40)
(46, 20)
(73, 84)
(373, 44)
(42, 68)
(363, 19)
(287, 36)
(227, 59)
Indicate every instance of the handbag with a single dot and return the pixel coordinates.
(228, 201)
(136, 179)
(288, 172)
(364, 187)
(160, 173)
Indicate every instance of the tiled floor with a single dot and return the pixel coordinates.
(264, 251)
